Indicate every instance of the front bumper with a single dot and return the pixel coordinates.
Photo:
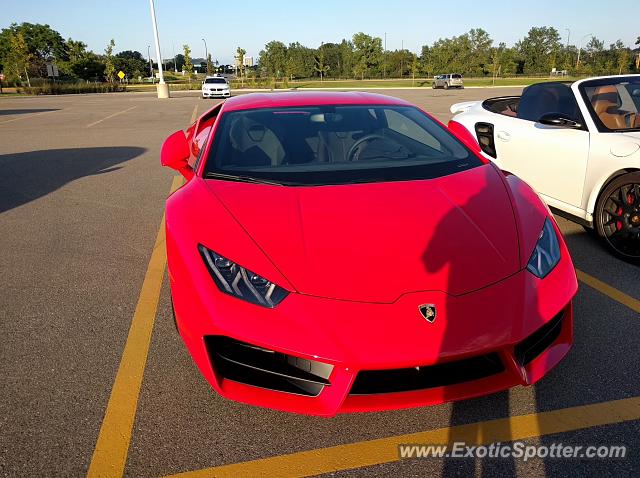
(360, 339)
(216, 93)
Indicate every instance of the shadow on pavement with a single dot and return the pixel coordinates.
(31, 175)
(25, 111)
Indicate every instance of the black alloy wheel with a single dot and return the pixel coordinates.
(618, 217)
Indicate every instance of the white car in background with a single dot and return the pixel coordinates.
(215, 87)
(577, 144)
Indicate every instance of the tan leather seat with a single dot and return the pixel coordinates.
(606, 102)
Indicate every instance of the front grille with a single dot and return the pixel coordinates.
(259, 367)
(539, 341)
(419, 378)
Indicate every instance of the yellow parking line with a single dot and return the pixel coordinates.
(110, 454)
(611, 292)
(110, 116)
(385, 450)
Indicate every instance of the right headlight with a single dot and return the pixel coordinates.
(546, 254)
(239, 282)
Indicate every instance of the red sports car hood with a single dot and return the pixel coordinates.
(375, 242)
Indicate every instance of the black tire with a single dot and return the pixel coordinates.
(446, 86)
(433, 86)
(617, 217)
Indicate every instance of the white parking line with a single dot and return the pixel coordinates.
(110, 116)
(29, 116)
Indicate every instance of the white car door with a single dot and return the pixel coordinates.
(552, 159)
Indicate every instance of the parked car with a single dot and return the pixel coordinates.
(577, 144)
(335, 252)
(450, 80)
(215, 87)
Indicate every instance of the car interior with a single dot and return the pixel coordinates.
(615, 106)
(280, 138)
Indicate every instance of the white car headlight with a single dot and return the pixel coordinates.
(546, 254)
(239, 282)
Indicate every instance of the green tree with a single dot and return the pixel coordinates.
(109, 66)
(320, 66)
(90, 68)
(480, 43)
(77, 50)
(273, 59)
(367, 54)
(18, 57)
(240, 53)
(210, 66)
(415, 65)
(346, 59)
(300, 61)
(539, 49)
(132, 63)
(43, 43)
(178, 62)
(188, 66)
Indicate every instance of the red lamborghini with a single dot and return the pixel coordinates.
(339, 252)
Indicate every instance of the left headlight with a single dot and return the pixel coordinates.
(546, 254)
(239, 282)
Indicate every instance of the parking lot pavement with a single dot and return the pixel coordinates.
(81, 204)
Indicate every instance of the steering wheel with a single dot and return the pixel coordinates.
(365, 139)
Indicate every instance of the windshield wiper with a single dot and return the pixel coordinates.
(241, 179)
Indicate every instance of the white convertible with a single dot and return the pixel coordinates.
(577, 144)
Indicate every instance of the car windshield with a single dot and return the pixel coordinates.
(321, 145)
(215, 80)
(614, 103)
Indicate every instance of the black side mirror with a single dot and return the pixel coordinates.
(558, 120)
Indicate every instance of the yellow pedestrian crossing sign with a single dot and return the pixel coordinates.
(121, 74)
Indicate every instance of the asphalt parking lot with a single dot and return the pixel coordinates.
(82, 258)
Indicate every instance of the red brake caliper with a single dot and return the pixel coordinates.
(619, 214)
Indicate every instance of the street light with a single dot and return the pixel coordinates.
(206, 55)
(163, 88)
(580, 48)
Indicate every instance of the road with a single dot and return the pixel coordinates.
(81, 202)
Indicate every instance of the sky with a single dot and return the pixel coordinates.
(250, 24)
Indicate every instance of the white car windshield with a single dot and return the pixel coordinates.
(216, 80)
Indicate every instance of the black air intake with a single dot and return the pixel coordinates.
(484, 133)
(259, 367)
(539, 341)
(419, 378)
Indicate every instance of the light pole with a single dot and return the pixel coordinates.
(175, 63)
(206, 55)
(150, 64)
(384, 57)
(568, 57)
(163, 88)
(580, 48)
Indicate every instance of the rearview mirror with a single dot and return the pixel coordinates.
(558, 120)
(175, 152)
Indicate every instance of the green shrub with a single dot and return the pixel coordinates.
(70, 88)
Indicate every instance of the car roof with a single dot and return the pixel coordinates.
(308, 98)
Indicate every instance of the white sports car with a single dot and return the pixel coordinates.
(577, 144)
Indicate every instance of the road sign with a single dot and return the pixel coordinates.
(52, 70)
(121, 74)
